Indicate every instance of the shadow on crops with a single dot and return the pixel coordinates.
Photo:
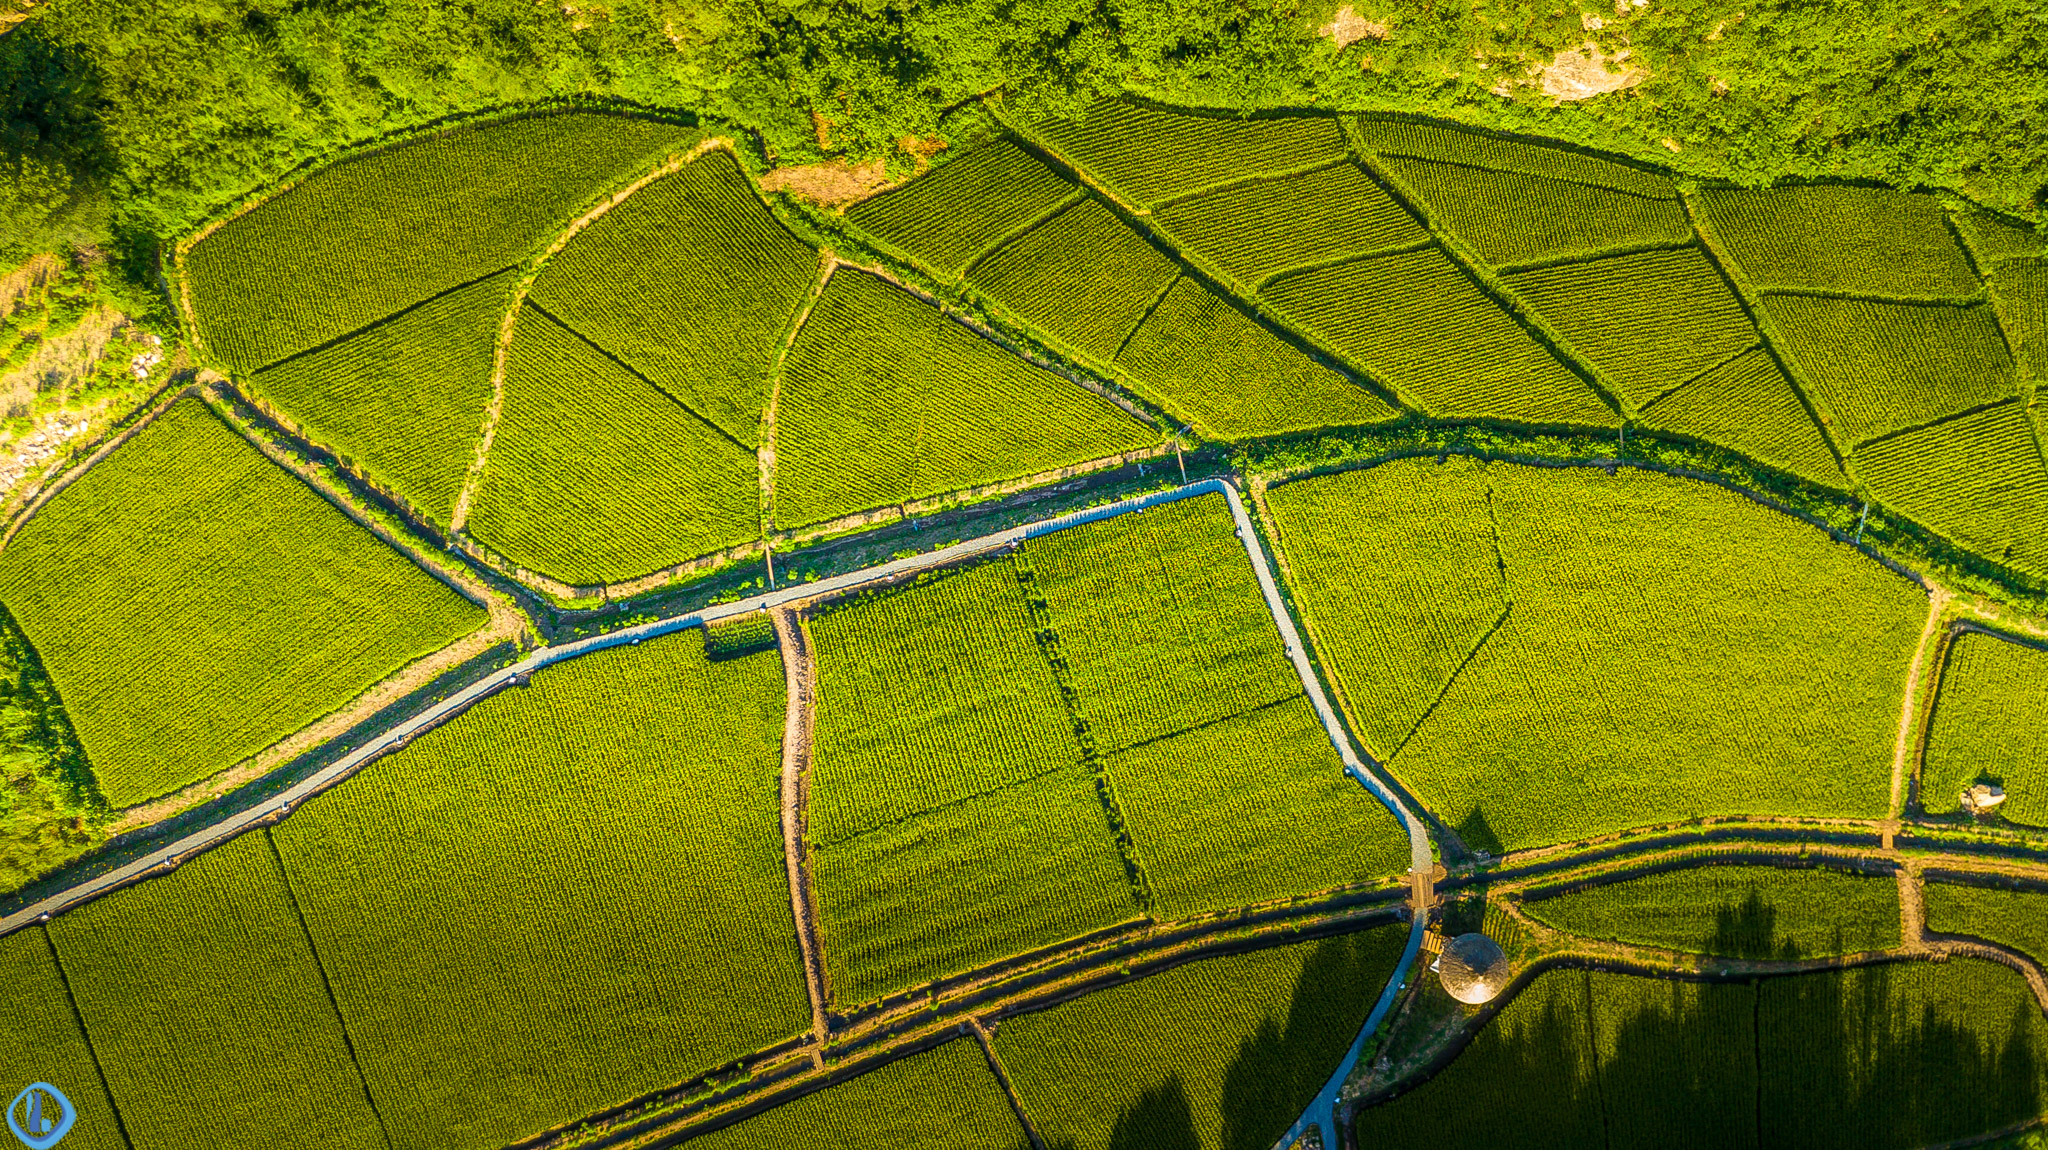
(1888, 1056)
(1279, 1066)
(1477, 834)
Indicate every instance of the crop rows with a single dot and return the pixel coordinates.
(1747, 404)
(1480, 150)
(1083, 278)
(1441, 583)
(194, 603)
(2018, 919)
(1990, 724)
(1219, 1054)
(943, 1097)
(692, 282)
(596, 476)
(1881, 367)
(943, 219)
(361, 239)
(1874, 241)
(1256, 230)
(1153, 156)
(201, 994)
(1994, 238)
(1978, 479)
(587, 875)
(403, 400)
(1513, 218)
(1215, 367)
(2019, 290)
(1649, 321)
(41, 1041)
(1635, 634)
(1423, 326)
(884, 399)
(1889, 1057)
(909, 687)
(1751, 912)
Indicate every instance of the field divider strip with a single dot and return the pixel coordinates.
(1937, 605)
(799, 674)
(995, 1066)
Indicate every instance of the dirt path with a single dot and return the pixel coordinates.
(1938, 599)
(508, 327)
(800, 675)
(1913, 911)
(988, 1050)
(771, 412)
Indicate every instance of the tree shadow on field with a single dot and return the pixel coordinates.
(1882, 1057)
(1161, 1119)
(1477, 834)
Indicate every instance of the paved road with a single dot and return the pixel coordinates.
(1320, 1113)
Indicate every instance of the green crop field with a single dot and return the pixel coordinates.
(1513, 218)
(1218, 1054)
(403, 401)
(1650, 322)
(1254, 231)
(1215, 367)
(1896, 1055)
(361, 239)
(41, 1041)
(1178, 670)
(1838, 238)
(1160, 621)
(1152, 155)
(912, 688)
(1990, 724)
(1879, 368)
(1992, 238)
(596, 475)
(1747, 404)
(195, 603)
(2019, 291)
(691, 283)
(945, 1096)
(1472, 149)
(1083, 278)
(1979, 479)
(1425, 329)
(1630, 633)
(964, 206)
(1251, 808)
(969, 883)
(884, 399)
(587, 872)
(2018, 919)
(202, 996)
(1758, 912)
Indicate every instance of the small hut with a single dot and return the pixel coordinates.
(1473, 969)
(1982, 799)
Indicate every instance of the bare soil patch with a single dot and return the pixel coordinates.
(832, 184)
(1347, 27)
(1582, 73)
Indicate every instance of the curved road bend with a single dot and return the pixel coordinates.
(1321, 1112)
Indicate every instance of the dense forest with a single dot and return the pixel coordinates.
(123, 123)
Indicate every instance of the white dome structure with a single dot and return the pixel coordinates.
(1473, 969)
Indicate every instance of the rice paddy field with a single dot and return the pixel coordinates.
(1896, 1055)
(1587, 622)
(195, 603)
(1052, 846)
(1738, 911)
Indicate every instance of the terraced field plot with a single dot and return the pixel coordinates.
(943, 1095)
(1979, 478)
(586, 872)
(1836, 238)
(1990, 724)
(885, 400)
(943, 220)
(1757, 912)
(2013, 918)
(1613, 613)
(196, 603)
(1153, 155)
(44, 1042)
(361, 239)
